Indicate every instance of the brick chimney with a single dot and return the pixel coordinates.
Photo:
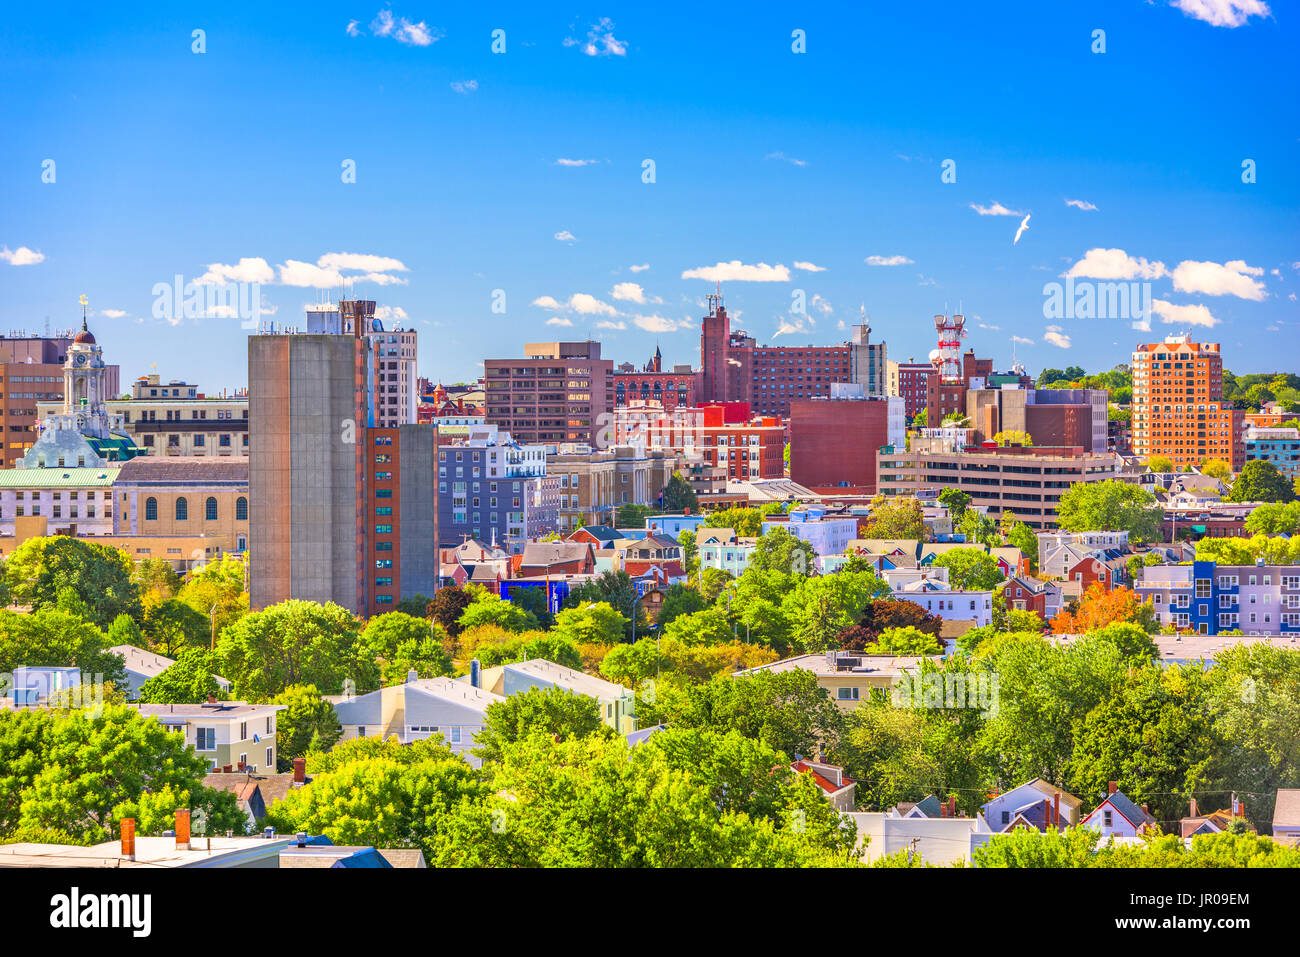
(182, 830)
(1113, 787)
(952, 805)
(128, 839)
(943, 809)
(299, 770)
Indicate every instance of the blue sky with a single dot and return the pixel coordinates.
(469, 164)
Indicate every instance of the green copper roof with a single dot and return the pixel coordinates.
(58, 477)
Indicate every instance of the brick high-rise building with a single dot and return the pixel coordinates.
(908, 380)
(31, 370)
(834, 440)
(735, 368)
(342, 509)
(559, 392)
(1178, 405)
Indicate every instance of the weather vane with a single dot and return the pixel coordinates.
(84, 304)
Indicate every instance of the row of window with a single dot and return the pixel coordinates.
(182, 509)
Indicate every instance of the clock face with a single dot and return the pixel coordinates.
(80, 360)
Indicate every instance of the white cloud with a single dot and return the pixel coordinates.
(600, 40)
(1022, 340)
(785, 327)
(559, 321)
(389, 312)
(403, 30)
(22, 256)
(296, 273)
(807, 266)
(642, 268)
(787, 159)
(1024, 224)
(354, 28)
(1189, 315)
(610, 324)
(589, 305)
(736, 271)
(565, 236)
(1212, 279)
(1115, 264)
(363, 261)
(983, 325)
(628, 292)
(564, 161)
(887, 261)
(546, 302)
(996, 209)
(660, 323)
(1081, 204)
(464, 86)
(1056, 337)
(1223, 13)
(821, 305)
(248, 269)
(113, 313)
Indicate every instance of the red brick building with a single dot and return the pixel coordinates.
(942, 397)
(821, 452)
(722, 434)
(678, 388)
(734, 368)
(909, 381)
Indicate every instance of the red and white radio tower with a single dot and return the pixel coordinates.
(947, 358)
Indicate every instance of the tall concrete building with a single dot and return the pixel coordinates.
(392, 387)
(868, 364)
(1051, 417)
(342, 509)
(1178, 405)
(31, 370)
(559, 392)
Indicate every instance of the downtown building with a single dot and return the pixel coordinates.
(1178, 406)
(559, 392)
(1028, 482)
(495, 490)
(719, 436)
(834, 439)
(734, 368)
(1208, 598)
(671, 389)
(1051, 417)
(343, 509)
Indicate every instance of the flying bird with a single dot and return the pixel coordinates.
(1024, 224)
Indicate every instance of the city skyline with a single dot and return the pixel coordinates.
(522, 172)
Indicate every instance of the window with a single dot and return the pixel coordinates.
(205, 739)
(151, 509)
(182, 509)
(243, 731)
(455, 735)
(210, 509)
(241, 509)
(270, 758)
(270, 724)
(1106, 818)
(847, 694)
(361, 731)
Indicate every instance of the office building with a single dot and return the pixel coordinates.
(1178, 407)
(1208, 599)
(559, 392)
(834, 439)
(1051, 417)
(1281, 446)
(908, 380)
(493, 489)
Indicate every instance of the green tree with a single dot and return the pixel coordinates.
(171, 625)
(970, 569)
(490, 609)
(778, 550)
(308, 723)
(1217, 468)
(1259, 481)
(555, 712)
(216, 591)
(68, 770)
(956, 501)
(820, 608)
(617, 590)
(895, 517)
(679, 496)
(189, 681)
(1274, 518)
(1110, 506)
(53, 638)
(679, 600)
(402, 643)
(1073, 847)
(747, 522)
(880, 615)
(596, 623)
(448, 605)
(100, 575)
(295, 642)
(905, 641)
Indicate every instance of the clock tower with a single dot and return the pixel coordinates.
(83, 387)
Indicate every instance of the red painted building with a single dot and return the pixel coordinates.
(821, 452)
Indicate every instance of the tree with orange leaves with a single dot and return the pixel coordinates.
(1099, 608)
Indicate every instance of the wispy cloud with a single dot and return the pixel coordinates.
(641, 268)
(736, 271)
(564, 161)
(786, 159)
(887, 261)
(464, 86)
(400, 29)
(1081, 204)
(113, 313)
(661, 323)
(1223, 13)
(807, 266)
(559, 321)
(600, 40)
(611, 324)
(565, 236)
(1023, 341)
(996, 209)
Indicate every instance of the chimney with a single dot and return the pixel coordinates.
(227, 768)
(1047, 815)
(475, 673)
(412, 675)
(943, 809)
(183, 829)
(128, 839)
(299, 770)
(1193, 811)
(952, 805)
(1112, 788)
(242, 767)
(1241, 809)
(1145, 809)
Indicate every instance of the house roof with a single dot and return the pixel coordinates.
(222, 709)
(1286, 813)
(456, 692)
(142, 662)
(893, 666)
(1132, 813)
(722, 536)
(605, 533)
(826, 784)
(563, 677)
(59, 477)
(274, 787)
(555, 553)
(190, 469)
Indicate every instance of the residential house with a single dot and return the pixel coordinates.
(228, 734)
(1037, 804)
(1207, 598)
(1117, 816)
(601, 536)
(557, 558)
(1059, 551)
(732, 557)
(1026, 593)
(418, 709)
(1216, 822)
(141, 665)
(1286, 816)
(848, 677)
(617, 703)
(836, 786)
